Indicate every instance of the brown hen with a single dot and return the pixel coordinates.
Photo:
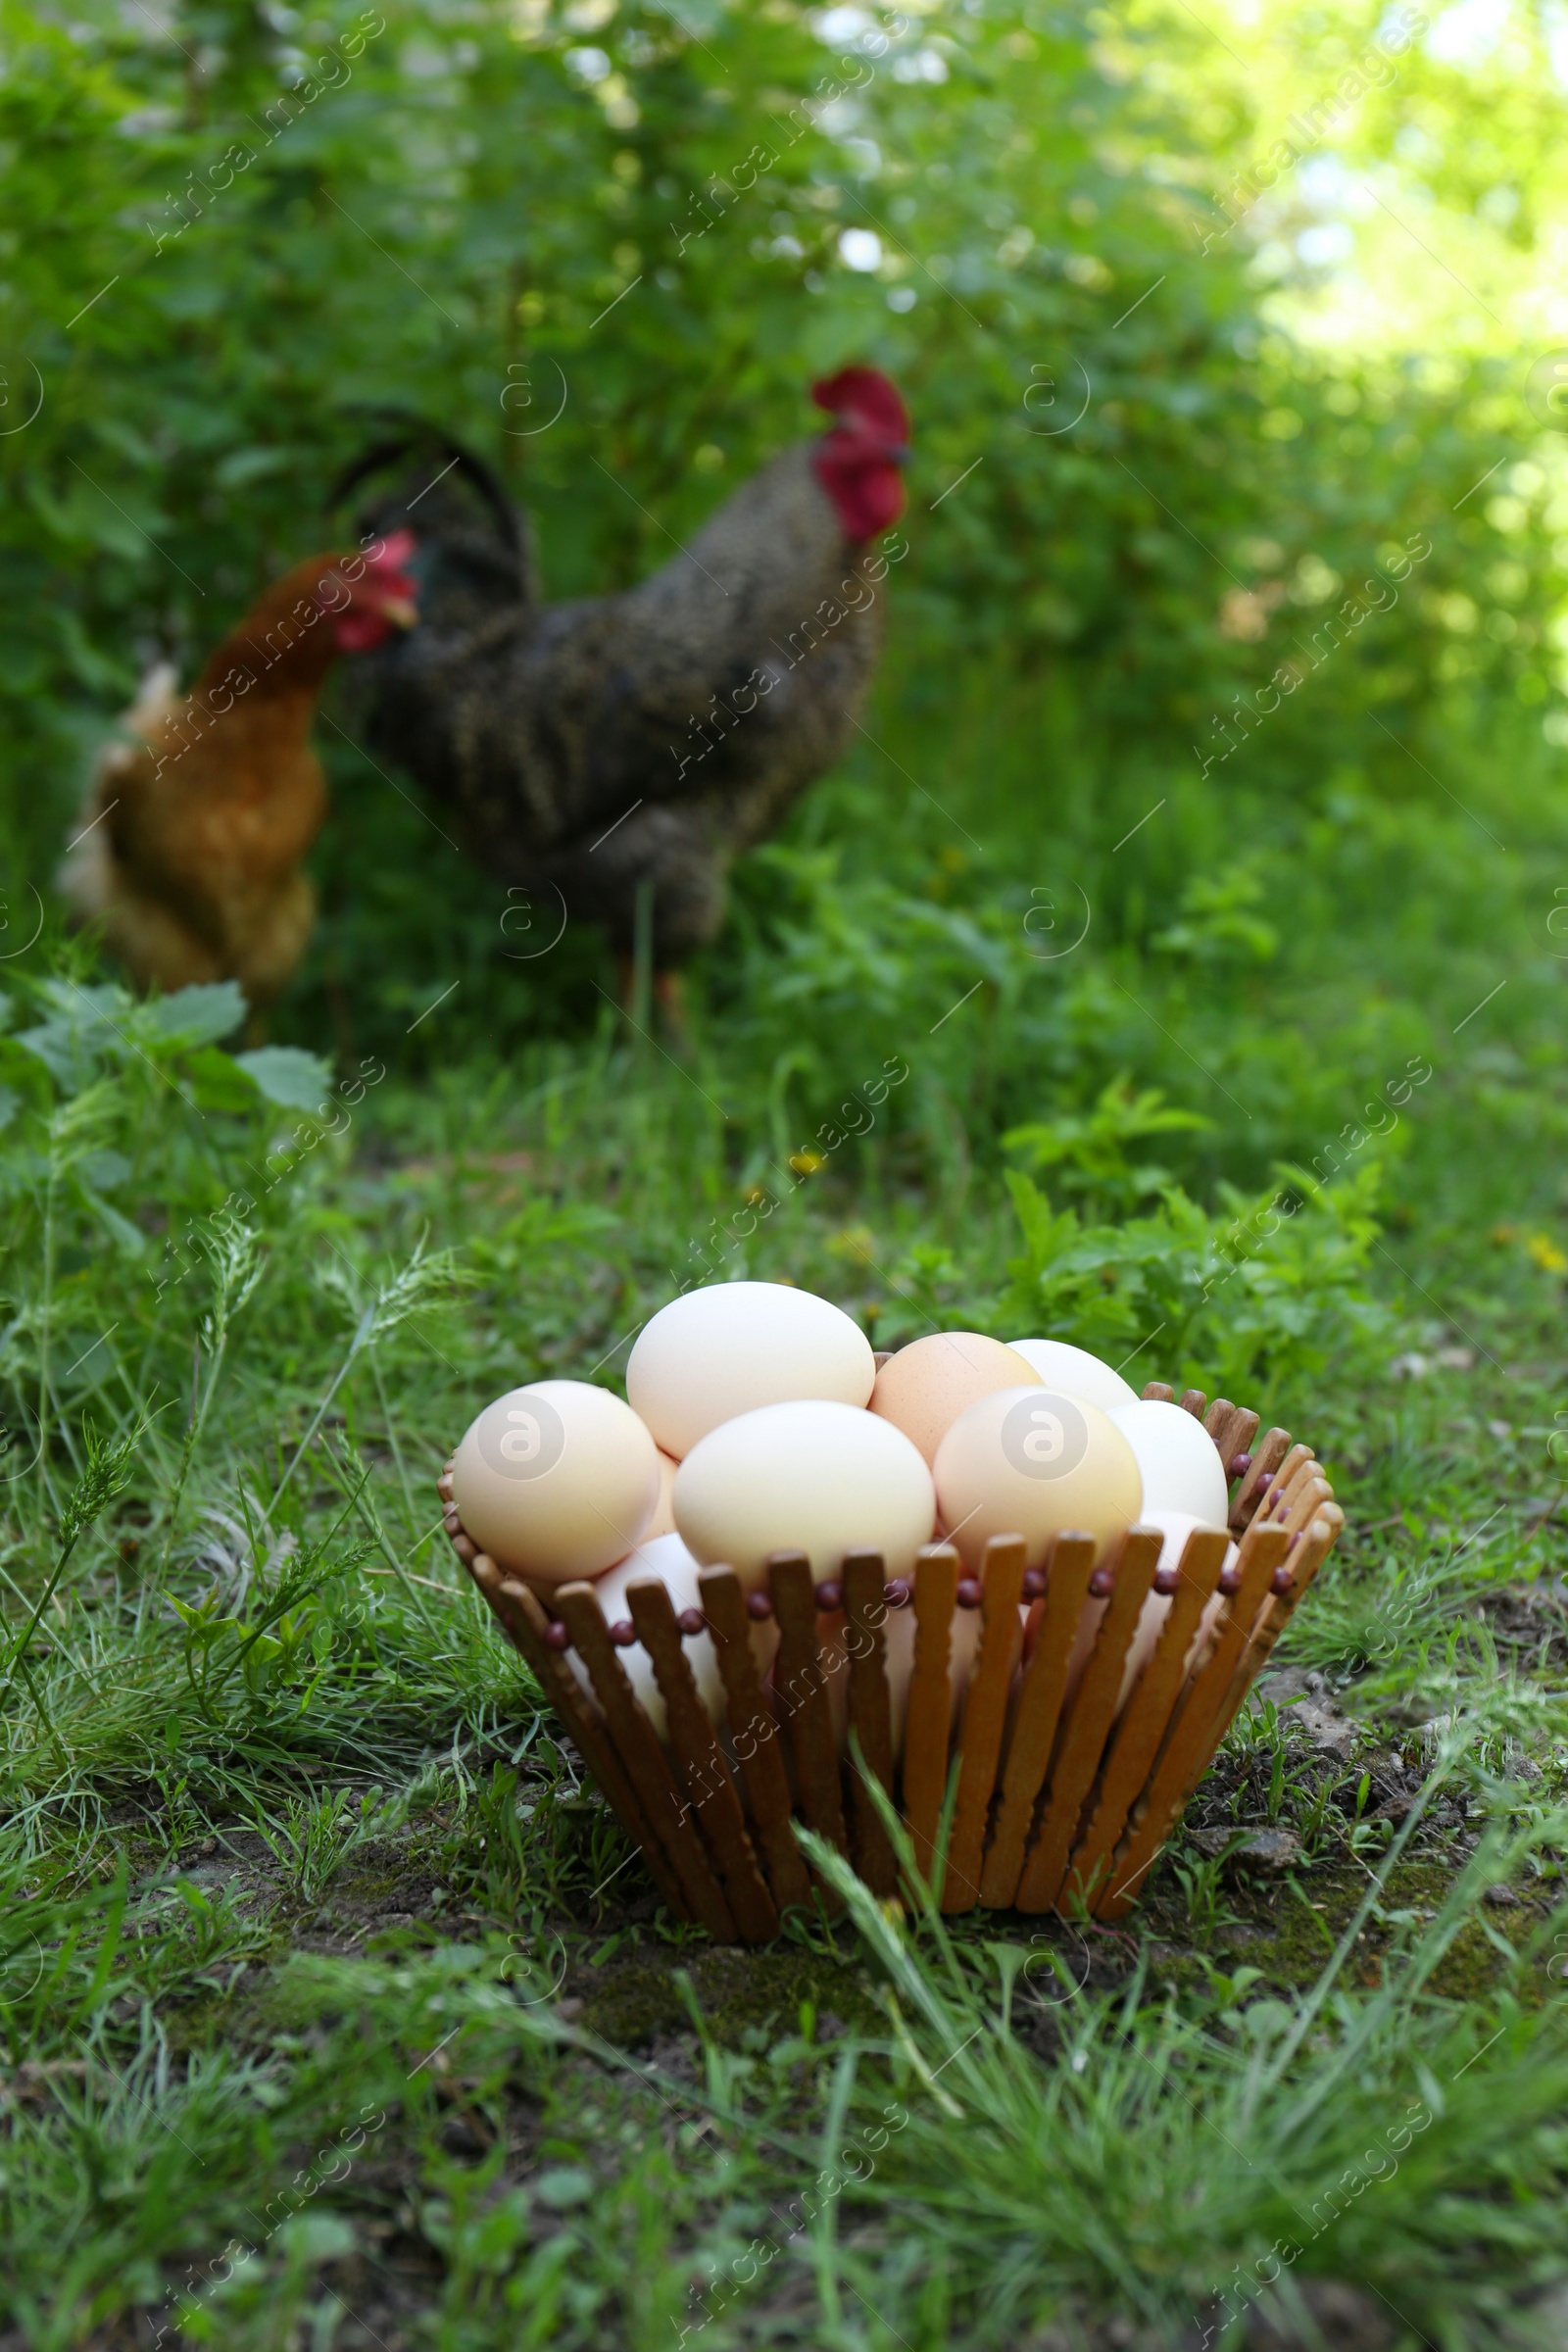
(194, 830)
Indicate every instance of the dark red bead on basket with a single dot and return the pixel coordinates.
(969, 1593)
(1241, 1464)
(624, 1633)
(692, 1620)
(1166, 1581)
(1103, 1583)
(1282, 1579)
(830, 1595)
(1230, 1578)
(897, 1592)
(557, 1636)
(758, 1606)
(1034, 1582)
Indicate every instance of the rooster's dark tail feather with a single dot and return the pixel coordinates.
(419, 436)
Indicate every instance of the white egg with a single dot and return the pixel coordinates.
(668, 1558)
(1178, 1458)
(808, 1476)
(1075, 1371)
(556, 1480)
(735, 1346)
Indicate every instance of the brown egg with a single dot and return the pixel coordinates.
(1031, 1462)
(924, 1388)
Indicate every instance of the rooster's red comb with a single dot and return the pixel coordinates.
(870, 395)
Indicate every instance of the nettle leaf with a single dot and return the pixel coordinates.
(217, 1083)
(199, 1015)
(103, 1021)
(287, 1075)
(63, 1047)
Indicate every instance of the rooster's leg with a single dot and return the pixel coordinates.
(669, 995)
(669, 988)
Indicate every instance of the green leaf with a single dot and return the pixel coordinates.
(199, 1015)
(128, 1235)
(216, 1081)
(286, 1076)
(563, 2184)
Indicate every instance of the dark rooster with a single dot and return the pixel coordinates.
(625, 749)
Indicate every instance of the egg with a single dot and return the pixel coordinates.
(1177, 1458)
(556, 1480)
(1075, 1371)
(1175, 1526)
(806, 1476)
(1031, 1461)
(924, 1388)
(734, 1348)
(663, 1522)
(668, 1558)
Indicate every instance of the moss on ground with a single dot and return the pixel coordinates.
(638, 1995)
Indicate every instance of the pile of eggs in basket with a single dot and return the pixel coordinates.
(756, 1421)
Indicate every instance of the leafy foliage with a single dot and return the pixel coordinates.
(1267, 1294)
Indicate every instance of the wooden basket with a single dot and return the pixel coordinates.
(1060, 1806)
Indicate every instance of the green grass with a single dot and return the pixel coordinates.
(290, 1854)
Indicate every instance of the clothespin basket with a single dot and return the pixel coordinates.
(1065, 1790)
